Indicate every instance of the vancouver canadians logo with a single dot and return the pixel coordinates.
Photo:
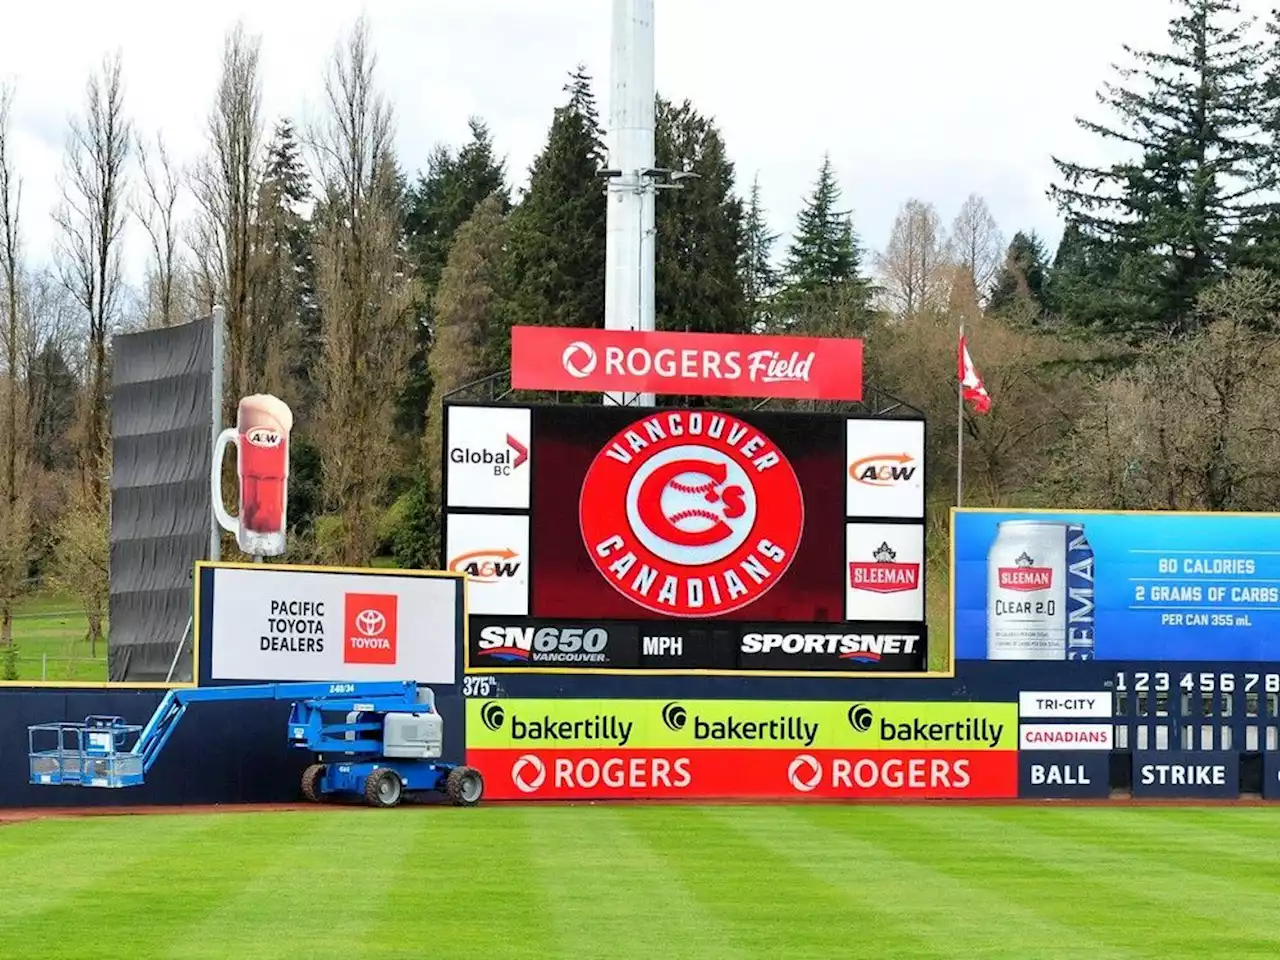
(691, 514)
(1025, 576)
(884, 574)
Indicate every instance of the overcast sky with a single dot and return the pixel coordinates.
(926, 98)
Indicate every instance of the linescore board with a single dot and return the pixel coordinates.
(636, 540)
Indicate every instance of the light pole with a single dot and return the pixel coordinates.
(630, 262)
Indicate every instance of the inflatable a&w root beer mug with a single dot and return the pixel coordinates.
(261, 439)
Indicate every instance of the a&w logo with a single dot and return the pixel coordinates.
(263, 437)
(884, 469)
(487, 566)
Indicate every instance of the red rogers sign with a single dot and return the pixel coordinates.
(711, 364)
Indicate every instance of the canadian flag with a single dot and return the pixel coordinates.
(970, 382)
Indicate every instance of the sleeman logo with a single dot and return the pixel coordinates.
(674, 716)
(493, 715)
(860, 718)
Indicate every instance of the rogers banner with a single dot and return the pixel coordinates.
(698, 364)
(745, 774)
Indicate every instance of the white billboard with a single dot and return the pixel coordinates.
(487, 460)
(884, 571)
(276, 623)
(884, 468)
(493, 551)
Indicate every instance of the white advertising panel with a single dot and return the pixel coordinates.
(487, 459)
(1065, 704)
(884, 571)
(1065, 736)
(494, 553)
(884, 468)
(283, 625)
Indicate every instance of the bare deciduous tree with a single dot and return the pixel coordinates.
(156, 208)
(1191, 427)
(91, 220)
(914, 266)
(226, 188)
(976, 245)
(15, 513)
(365, 295)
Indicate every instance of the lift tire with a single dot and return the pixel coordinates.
(464, 786)
(311, 782)
(383, 788)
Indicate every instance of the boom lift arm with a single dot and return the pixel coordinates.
(387, 741)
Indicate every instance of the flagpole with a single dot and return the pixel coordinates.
(960, 430)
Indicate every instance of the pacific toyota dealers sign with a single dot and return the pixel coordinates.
(696, 364)
(281, 623)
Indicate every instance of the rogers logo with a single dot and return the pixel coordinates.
(691, 514)
(805, 773)
(370, 634)
(599, 775)
(528, 773)
(579, 359)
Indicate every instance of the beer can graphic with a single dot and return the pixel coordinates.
(1040, 592)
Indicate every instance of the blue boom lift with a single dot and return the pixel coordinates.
(387, 742)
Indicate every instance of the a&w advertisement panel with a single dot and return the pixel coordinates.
(281, 623)
(726, 749)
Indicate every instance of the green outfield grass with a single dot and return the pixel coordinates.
(53, 625)
(730, 882)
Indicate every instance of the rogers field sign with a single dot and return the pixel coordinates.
(279, 623)
(707, 364)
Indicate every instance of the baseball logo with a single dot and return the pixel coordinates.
(528, 773)
(691, 514)
(805, 773)
(578, 359)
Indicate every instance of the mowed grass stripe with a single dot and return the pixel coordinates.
(942, 890)
(1163, 863)
(1227, 846)
(320, 881)
(609, 892)
(769, 905)
(52, 868)
(1093, 874)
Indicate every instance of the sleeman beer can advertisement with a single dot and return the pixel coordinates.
(640, 749)
(1115, 586)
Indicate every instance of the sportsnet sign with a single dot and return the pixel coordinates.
(698, 364)
(284, 623)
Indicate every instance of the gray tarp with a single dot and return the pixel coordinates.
(161, 443)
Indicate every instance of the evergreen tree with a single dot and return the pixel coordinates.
(699, 228)
(1257, 244)
(443, 199)
(1167, 215)
(760, 277)
(823, 270)
(1021, 279)
(556, 264)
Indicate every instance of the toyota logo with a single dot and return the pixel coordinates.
(528, 773)
(579, 359)
(805, 773)
(370, 622)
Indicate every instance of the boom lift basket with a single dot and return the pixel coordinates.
(95, 753)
